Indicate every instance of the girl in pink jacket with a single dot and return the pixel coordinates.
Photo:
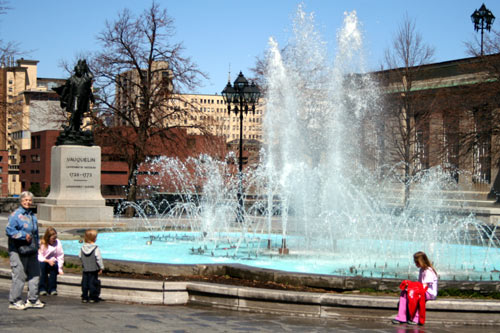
(51, 258)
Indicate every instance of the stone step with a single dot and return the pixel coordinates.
(82, 224)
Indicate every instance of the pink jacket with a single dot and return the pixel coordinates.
(52, 251)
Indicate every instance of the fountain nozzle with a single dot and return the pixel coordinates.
(283, 249)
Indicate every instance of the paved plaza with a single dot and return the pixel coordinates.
(64, 314)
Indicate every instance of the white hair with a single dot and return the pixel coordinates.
(25, 194)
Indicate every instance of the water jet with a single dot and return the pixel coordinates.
(312, 205)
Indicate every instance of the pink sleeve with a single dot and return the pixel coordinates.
(428, 276)
(59, 255)
(42, 253)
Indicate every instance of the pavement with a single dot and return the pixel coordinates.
(204, 308)
(68, 314)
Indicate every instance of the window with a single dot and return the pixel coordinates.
(35, 142)
(482, 147)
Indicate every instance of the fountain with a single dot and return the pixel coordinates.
(315, 203)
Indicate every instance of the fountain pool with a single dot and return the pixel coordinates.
(184, 248)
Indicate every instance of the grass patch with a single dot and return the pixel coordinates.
(455, 292)
(71, 265)
(448, 292)
(4, 254)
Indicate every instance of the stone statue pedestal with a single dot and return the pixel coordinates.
(75, 191)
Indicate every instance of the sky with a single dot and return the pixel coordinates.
(227, 35)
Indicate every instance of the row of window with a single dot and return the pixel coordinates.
(208, 101)
(245, 136)
(221, 110)
(202, 118)
(34, 158)
(20, 135)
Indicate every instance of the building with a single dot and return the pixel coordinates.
(454, 120)
(35, 162)
(27, 104)
(4, 175)
(201, 113)
(211, 111)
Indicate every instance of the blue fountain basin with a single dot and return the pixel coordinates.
(365, 257)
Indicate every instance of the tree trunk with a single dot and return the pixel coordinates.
(132, 189)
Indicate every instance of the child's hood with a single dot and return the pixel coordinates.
(88, 248)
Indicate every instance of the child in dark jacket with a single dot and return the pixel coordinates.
(92, 265)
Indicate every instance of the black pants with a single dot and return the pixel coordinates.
(48, 277)
(90, 286)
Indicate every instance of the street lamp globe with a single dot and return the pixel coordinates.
(482, 18)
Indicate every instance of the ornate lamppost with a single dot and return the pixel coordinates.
(243, 97)
(482, 18)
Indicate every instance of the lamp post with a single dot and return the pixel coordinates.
(243, 97)
(482, 18)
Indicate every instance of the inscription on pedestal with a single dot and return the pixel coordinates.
(81, 171)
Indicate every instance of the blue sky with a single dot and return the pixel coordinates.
(217, 33)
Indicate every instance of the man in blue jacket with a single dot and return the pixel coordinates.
(22, 231)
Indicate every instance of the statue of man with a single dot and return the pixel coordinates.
(76, 94)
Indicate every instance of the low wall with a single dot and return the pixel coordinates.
(322, 305)
(327, 282)
(8, 205)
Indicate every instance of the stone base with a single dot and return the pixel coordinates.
(75, 194)
(60, 213)
(61, 226)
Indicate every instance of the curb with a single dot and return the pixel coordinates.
(291, 303)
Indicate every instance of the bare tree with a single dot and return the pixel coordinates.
(140, 74)
(8, 49)
(482, 110)
(491, 44)
(405, 116)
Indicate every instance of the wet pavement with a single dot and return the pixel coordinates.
(65, 314)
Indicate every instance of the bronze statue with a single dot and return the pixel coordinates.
(76, 95)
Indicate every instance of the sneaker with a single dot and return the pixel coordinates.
(19, 305)
(411, 322)
(36, 305)
(85, 300)
(53, 293)
(396, 322)
(43, 293)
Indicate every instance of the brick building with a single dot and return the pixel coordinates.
(35, 162)
(455, 118)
